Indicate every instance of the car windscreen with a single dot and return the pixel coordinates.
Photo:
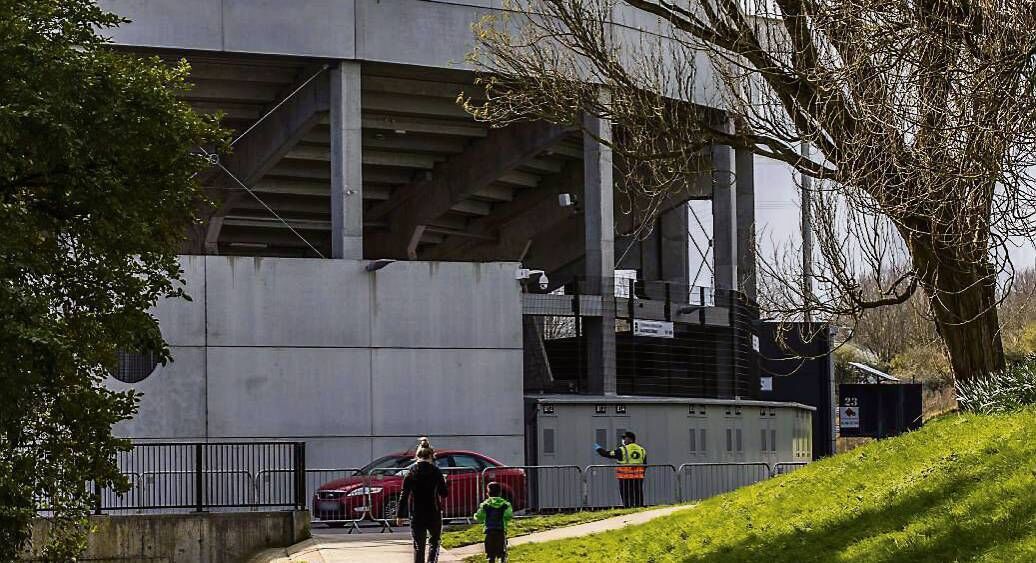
(388, 465)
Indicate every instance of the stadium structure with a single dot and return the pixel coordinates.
(381, 266)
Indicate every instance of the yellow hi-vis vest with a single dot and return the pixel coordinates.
(631, 466)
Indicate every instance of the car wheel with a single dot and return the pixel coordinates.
(390, 508)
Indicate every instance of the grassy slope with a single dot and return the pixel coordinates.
(961, 489)
(521, 526)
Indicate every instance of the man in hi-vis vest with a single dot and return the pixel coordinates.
(630, 472)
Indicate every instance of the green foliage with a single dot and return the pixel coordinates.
(850, 352)
(96, 191)
(927, 364)
(1009, 390)
(1020, 343)
(963, 488)
(469, 535)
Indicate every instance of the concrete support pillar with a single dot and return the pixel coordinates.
(346, 163)
(744, 164)
(599, 229)
(674, 246)
(663, 255)
(724, 218)
(725, 260)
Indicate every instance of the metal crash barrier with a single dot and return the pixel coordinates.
(532, 489)
(538, 489)
(605, 490)
(700, 481)
(786, 467)
(330, 506)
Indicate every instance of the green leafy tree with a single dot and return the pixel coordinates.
(96, 192)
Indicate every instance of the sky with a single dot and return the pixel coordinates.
(777, 221)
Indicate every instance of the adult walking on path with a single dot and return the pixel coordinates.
(630, 472)
(424, 489)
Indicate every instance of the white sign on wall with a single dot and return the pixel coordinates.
(849, 417)
(766, 383)
(755, 343)
(657, 329)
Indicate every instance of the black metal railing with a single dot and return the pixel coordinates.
(199, 476)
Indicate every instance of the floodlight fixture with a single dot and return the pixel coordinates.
(377, 264)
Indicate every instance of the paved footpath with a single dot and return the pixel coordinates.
(578, 530)
(396, 547)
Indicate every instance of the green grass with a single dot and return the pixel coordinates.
(457, 537)
(963, 488)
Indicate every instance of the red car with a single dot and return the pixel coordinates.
(381, 482)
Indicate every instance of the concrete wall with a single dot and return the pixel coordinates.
(355, 363)
(426, 33)
(187, 538)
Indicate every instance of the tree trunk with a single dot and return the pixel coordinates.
(964, 303)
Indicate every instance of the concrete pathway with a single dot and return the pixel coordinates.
(396, 547)
(578, 530)
(355, 548)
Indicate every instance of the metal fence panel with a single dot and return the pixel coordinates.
(786, 467)
(336, 497)
(178, 489)
(703, 480)
(535, 489)
(166, 477)
(465, 492)
(173, 477)
(603, 487)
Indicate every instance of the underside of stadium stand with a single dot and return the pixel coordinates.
(436, 184)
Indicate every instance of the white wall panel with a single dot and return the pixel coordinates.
(288, 392)
(317, 28)
(446, 305)
(182, 321)
(509, 450)
(423, 392)
(287, 302)
(191, 24)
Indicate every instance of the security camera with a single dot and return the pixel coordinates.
(525, 273)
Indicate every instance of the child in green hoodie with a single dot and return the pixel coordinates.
(494, 513)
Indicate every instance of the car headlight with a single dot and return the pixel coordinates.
(358, 491)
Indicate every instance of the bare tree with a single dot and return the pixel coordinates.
(921, 113)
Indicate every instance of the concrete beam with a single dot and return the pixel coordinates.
(511, 227)
(400, 124)
(346, 163)
(484, 162)
(261, 148)
(558, 247)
